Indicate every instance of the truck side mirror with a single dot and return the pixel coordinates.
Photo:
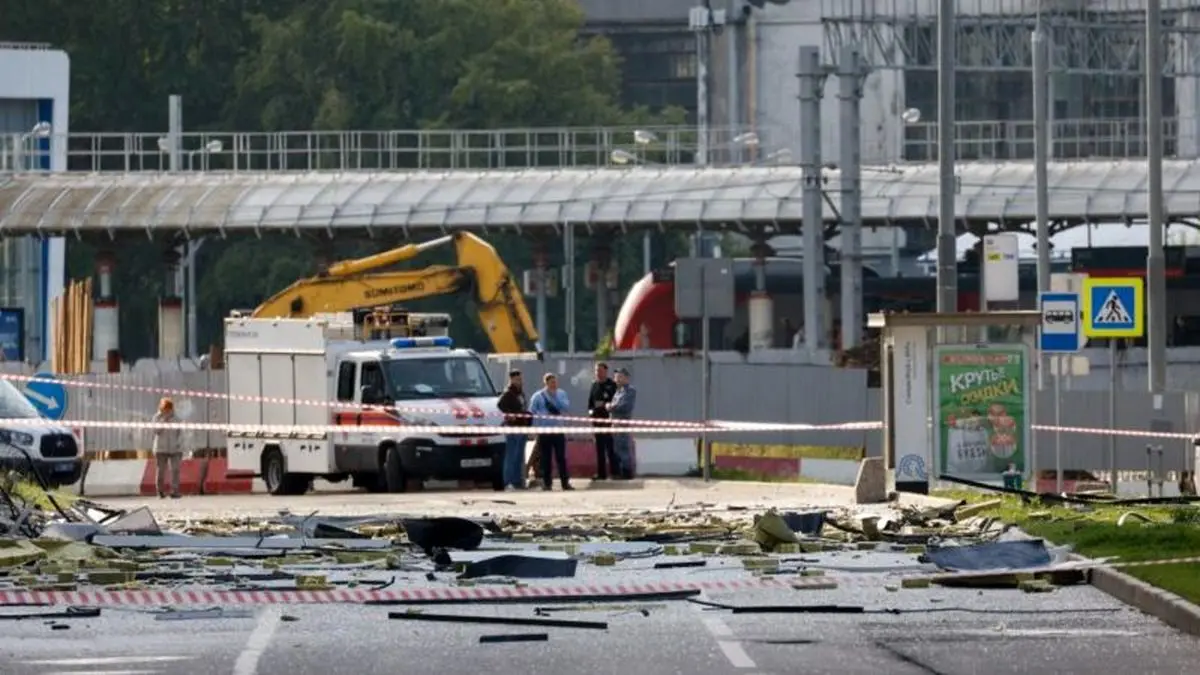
(369, 395)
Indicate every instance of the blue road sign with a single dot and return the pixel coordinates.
(1114, 308)
(50, 398)
(1060, 323)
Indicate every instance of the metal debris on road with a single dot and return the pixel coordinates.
(83, 546)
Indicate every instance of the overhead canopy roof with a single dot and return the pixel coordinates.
(634, 197)
(1088, 191)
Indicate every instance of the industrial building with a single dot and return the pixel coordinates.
(1097, 85)
(35, 83)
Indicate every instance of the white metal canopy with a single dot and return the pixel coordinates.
(634, 197)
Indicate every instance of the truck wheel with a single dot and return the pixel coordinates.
(498, 471)
(394, 478)
(279, 481)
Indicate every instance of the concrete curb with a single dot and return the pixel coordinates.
(1163, 605)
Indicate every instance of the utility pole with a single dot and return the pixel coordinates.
(703, 21)
(812, 85)
(947, 240)
(1041, 150)
(851, 72)
(1156, 281)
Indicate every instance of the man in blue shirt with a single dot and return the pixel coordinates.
(621, 408)
(546, 404)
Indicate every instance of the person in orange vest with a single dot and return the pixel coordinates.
(168, 449)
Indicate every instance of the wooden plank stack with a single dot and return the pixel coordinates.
(72, 316)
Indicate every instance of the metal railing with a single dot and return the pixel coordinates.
(31, 46)
(1071, 139)
(554, 148)
(392, 150)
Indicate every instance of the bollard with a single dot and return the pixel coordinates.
(1013, 480)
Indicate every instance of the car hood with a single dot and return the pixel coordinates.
(474, 411)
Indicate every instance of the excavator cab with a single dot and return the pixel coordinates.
(388, 322)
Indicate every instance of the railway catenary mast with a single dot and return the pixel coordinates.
(1096, 72)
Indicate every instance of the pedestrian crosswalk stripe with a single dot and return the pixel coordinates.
(1112, 311)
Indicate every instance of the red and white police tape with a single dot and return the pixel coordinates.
(319, 430)
(460, 408)
(464, 411)
(198, 596)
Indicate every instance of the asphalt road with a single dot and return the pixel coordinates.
(936, 631)
(649, 494)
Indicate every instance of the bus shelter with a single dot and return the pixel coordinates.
(958, 395)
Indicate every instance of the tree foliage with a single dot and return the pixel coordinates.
(281, 65)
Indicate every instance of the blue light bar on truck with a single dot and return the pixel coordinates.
(410, 343)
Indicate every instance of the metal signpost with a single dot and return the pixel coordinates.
(1059, 335)
(1113, 309)
(50, 398)
(704, 290)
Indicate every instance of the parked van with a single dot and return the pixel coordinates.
(53, 449)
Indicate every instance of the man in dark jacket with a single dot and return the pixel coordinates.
(599, 397)
(621, 408)
(516, 414)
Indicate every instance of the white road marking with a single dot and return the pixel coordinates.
(104, 672)
(247, 661)
(1045, 632)
(104, 660)
(731, 648)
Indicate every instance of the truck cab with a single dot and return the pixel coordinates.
(316, 398)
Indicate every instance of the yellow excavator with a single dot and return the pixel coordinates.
(356, 284)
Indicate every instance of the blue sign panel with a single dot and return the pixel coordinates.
(1060, 323)
(49, 397)
(1112, 308)
(12, 334)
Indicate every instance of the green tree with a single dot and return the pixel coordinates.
(281, 65)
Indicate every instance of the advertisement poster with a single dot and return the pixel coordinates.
(12, 334)
(983, 409)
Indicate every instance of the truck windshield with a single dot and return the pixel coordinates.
(13, 404)
(438, 377)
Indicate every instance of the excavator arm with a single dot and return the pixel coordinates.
(354, 284)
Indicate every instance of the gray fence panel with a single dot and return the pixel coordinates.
(766, 388)
(1089, 410)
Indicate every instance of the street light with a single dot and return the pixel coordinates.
(622, 157)
(748, 139)
(643, 137)
(209, 148)
(41, 130)
(911, 116)
(780, 156)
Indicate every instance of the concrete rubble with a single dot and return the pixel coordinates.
(46, 544)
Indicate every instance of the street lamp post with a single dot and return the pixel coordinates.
(39, 131)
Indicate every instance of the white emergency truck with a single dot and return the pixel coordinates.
(324, 374)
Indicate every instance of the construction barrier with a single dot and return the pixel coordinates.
(191, 477)
(112, 478)
(137, 477)
(825, 464)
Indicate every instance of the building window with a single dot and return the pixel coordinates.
(682, 66)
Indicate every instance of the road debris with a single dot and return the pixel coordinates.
(81, 546)
(416, 615)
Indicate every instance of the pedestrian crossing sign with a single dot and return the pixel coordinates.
(1114, 308)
